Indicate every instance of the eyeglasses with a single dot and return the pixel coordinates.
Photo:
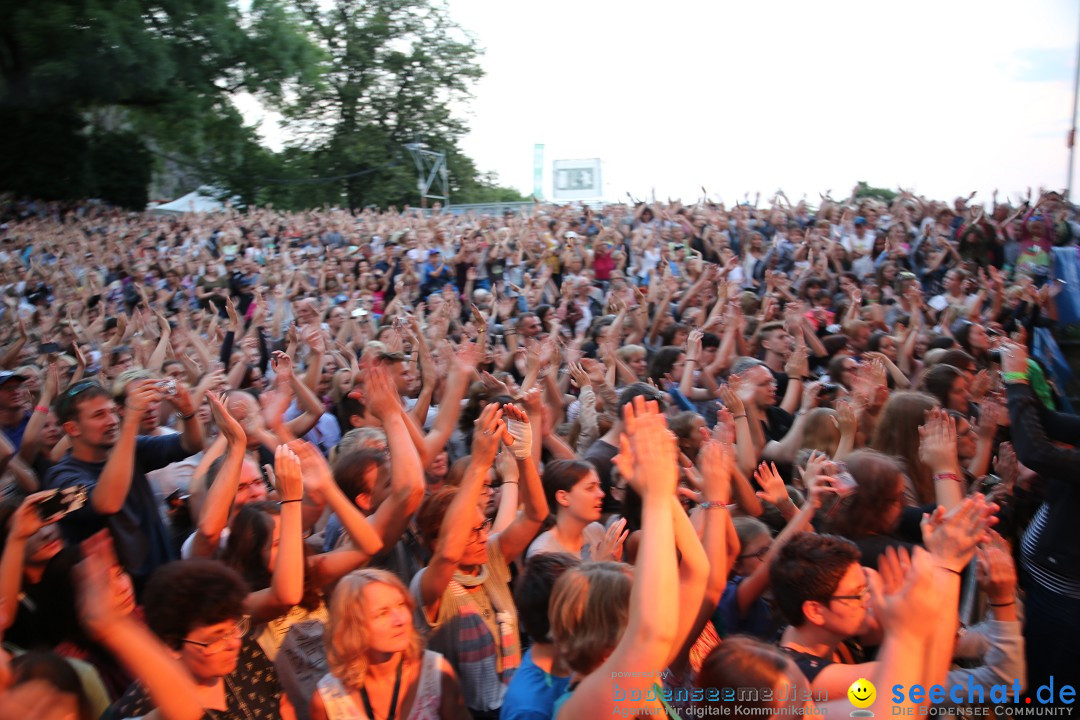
(481, 529)
(222, 643)
(861, 597)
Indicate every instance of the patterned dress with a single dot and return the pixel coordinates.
(252, 692)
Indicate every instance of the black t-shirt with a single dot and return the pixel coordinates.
(810, 665)
(138, 530)
(781, 379)
(601, 454)
(777, 423)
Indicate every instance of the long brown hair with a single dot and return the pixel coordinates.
(861, 513)
(897, 434)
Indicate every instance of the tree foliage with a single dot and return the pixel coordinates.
(163, 71)
(356, 83)
(863, 190)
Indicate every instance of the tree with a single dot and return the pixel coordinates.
(394, 70)
(863, 190)
(165, 71)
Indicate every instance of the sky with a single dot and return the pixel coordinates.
(944, 98)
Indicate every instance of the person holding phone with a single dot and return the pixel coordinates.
(37, 592)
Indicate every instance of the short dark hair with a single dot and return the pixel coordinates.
(66, 405)
(641, 389)
(351, 467)
(532, 594)
(188, 594)
(563, 475)
(809, 567)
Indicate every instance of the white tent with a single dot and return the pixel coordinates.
(199, 201)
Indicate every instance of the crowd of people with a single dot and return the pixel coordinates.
(569, 462)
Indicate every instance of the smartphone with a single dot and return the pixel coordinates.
(61, 502)
(845, 482)
(49, 348)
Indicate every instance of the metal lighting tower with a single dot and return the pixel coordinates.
(430, 166)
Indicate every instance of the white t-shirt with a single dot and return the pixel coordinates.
(547, 543)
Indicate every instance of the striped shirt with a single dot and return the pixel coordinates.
(1047, 578)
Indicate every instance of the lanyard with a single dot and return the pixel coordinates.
(393, 699)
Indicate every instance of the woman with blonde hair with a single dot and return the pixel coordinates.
(378, 665)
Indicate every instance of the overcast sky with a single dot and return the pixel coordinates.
(945, 97)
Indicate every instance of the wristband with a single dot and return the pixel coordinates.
(709, 505)
(510, 482)
(946, 476)
(286, 502)
(41, 408)
(737, 417)
(1014, 377)
(1005, 604)
(183, 417)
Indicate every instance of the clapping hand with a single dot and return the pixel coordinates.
(610, 548)
(648, 454)
(937, 442)
(288, 475)
(952, 537)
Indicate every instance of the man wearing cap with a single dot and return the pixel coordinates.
(13, 407)
(861, 241)
(436, 273)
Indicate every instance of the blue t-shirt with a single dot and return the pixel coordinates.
(15, 434)
(138, 530)
(758, 620)
(532, 692)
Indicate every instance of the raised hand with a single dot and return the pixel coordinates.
(288, 475)
(652, 447)
(578, 376)
(904, 592)
(610, 548)
(141, 394)
(995, 571)
(489, 429)
(952, 537)
(773, 488)
(845, 419)
(379, 394)
(316, 473)
(990, 417)
(797, 365)
(518, 427)
(230, 427)
(715, 462)
(25, 521)
(282, 366)
(102, 602)
(937, 442)
(741, 391)
(1007, 466)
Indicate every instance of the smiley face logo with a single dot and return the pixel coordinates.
(862, 693)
